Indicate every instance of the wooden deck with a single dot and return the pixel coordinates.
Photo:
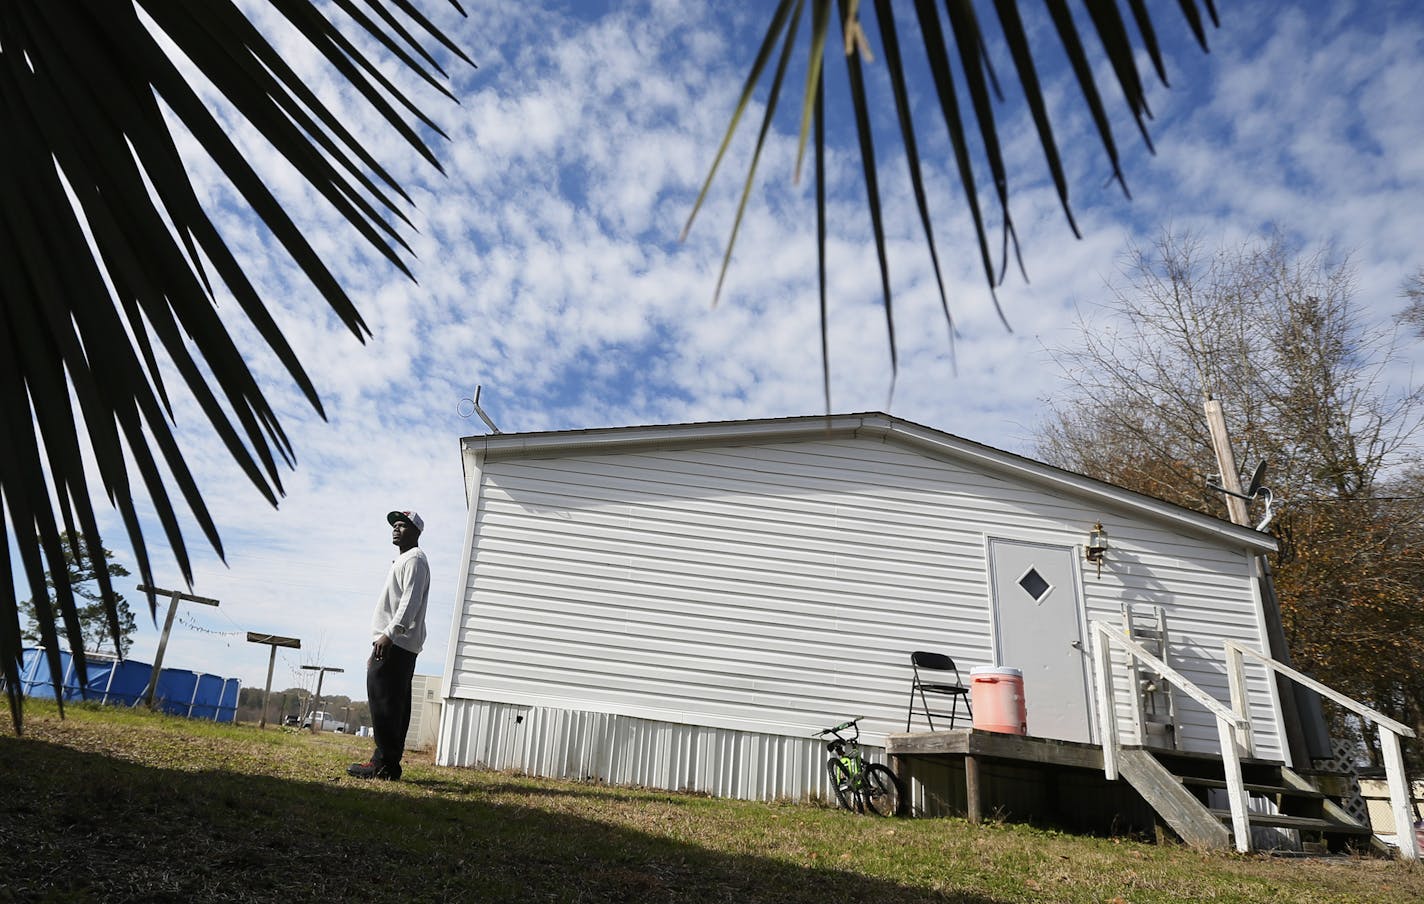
(992, 744)
(1061, 783)
(964, 772)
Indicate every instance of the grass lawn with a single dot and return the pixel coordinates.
(112, 805)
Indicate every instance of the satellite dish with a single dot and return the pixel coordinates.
(1255, 492)
(1256, 479)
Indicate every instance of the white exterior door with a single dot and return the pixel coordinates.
(1038, 629)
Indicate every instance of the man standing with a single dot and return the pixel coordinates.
(398, 632)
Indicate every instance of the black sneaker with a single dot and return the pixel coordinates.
(369, 769)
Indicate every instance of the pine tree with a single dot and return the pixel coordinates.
(81, 574)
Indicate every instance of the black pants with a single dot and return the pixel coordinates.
(388, 683)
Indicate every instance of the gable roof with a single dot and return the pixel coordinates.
(868, 425)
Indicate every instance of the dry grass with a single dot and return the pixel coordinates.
(116, 806)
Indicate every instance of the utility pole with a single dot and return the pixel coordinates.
(274, 641)
(1306, 735)
(174, 596)
(321, 676)
(1226, 462)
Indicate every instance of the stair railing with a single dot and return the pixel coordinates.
(1232, 728)
(1390, 732)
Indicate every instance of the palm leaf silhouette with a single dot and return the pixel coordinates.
(951, 33)
(110, 265)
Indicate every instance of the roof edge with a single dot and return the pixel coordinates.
(557, 442)
(495, 447)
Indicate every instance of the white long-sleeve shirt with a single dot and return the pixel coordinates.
(400, 610)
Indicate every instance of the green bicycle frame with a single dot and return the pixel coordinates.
(852, 767)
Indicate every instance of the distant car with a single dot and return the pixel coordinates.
(324, 722)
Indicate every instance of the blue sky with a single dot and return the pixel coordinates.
(549, 270)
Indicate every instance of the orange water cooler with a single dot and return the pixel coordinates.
(997, 695)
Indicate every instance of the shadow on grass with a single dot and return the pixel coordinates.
(79, 826)
(610, 793)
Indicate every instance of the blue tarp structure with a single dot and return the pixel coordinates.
(179, 693)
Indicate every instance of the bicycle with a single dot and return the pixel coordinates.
(860, 785)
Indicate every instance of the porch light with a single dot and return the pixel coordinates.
(1097, 548)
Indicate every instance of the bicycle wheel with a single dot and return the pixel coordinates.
(841, 783)
(881, 790)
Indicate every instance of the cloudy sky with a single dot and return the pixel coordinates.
(550, 272)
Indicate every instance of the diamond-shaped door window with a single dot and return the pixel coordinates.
(1034, 585)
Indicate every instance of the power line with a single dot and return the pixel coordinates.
(1361, 500)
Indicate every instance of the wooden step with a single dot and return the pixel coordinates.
(1186, 764)
(1199, 757)
(1282, 821)
(1333, 811)
(1158, 777)
(1174, 804)
(1265, 790)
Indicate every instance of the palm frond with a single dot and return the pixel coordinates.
(885, 16)
(861, 108)
(952, 33)
(819, 130)
(760, 143)
(768, 44)
(103, 237)
(942, 73)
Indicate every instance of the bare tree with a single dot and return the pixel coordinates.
(1413, 314)
(1277, 337)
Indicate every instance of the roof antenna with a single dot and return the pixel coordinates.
(1256, 491)
(476, 409)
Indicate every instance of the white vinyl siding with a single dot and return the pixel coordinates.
(1207, 594)
(778, 588)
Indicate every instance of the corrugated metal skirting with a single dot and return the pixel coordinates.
(623, 750)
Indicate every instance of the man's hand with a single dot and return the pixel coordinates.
(379, 647)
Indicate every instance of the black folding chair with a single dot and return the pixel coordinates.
(921, 661)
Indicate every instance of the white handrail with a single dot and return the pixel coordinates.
(1233, 729)
(1390, 733)
(1354, 706)
(1216, 707)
